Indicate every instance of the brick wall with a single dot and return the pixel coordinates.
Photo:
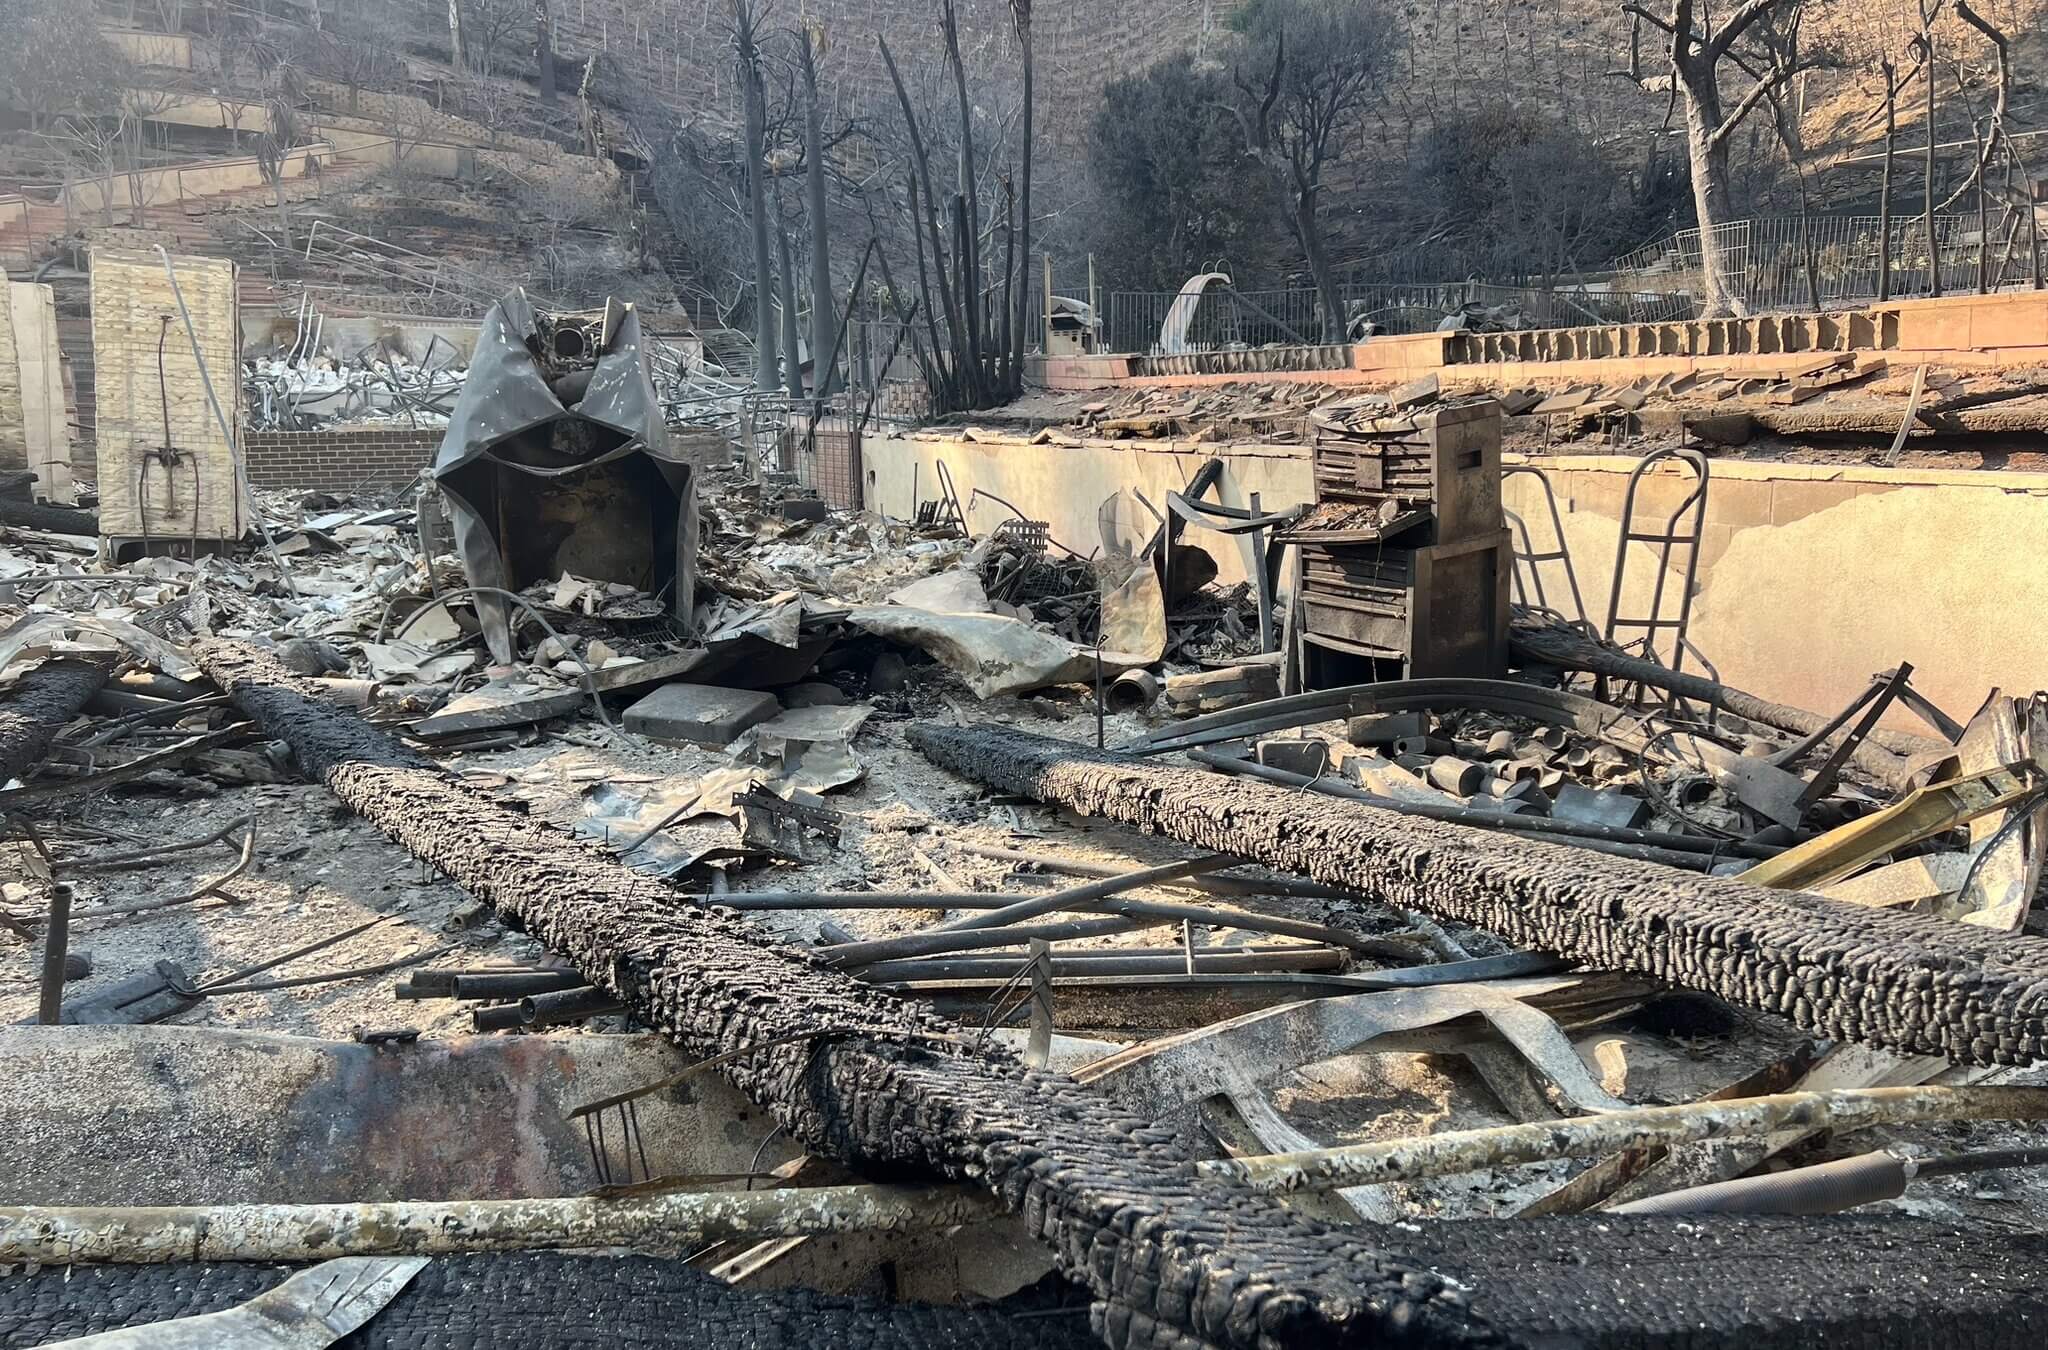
(338, 461)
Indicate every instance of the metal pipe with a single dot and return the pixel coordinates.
(511, 983)
(1461, 1151)
(1555, 831)
(1216, 883)
(56, 945)
(1385, 949)
(567, 1005)
(503, 1017)
(1133, 691)
(937, 942)
(1206, 962)
(149, 1234)
(1824, 1188)
(1085, 896)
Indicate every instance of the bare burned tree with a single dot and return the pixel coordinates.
(971, 347)
(1995, 139)
(544, 48)
(1700, 52)
(1306, 72)
(747, 57)
(810, 47)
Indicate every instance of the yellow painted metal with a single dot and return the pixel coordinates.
(1928, 811)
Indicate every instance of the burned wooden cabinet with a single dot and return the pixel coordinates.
(1405, 557)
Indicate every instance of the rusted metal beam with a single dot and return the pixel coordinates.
(1905, 982)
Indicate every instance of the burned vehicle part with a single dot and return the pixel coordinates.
(556, 460)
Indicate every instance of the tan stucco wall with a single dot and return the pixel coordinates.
(1066, 487)
(152, 49)
(1811, 579)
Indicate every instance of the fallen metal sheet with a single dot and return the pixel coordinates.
(1926, 883)
(994, 654)
(1134, 616)
(1599, 806)
(309, 1311)
(136, 1115)
(669, 844)
(498, 706)
(1163, 1075)
(956, 592)
(2005, 849)
(807, 749)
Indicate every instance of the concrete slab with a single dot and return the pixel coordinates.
(699, 714)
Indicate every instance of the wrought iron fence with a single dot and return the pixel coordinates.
(1226, 319)
(1784, 262)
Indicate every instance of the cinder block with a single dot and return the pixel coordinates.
(1308, 758)
(1385, 728)
(699, 714)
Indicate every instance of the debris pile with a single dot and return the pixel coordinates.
(372, 388)
(546, 900)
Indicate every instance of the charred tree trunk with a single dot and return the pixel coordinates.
(544, 49)
(824, 324)
(1307, 197)
(37, 707)
(967, 218)
(1707, 158)
(792, 340)
(1933, 244)
(952, 387)
(1021, 10)
(458, 49)
(1884, 192)
(1905, 982)
(754, 97)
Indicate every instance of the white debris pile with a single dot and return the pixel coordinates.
(300, 393)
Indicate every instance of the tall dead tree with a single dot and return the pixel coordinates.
(1701, 49)
(1892, 85)
(971, 349)
(792, 341)
(458, 49)
(810, 47)
(746, 41)
(1017, 282)
(544, 48)
(1306, 72)
(1924, 45)
(1998, 138)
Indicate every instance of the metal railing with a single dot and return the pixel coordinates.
(1768, 259)
(1228, 319)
